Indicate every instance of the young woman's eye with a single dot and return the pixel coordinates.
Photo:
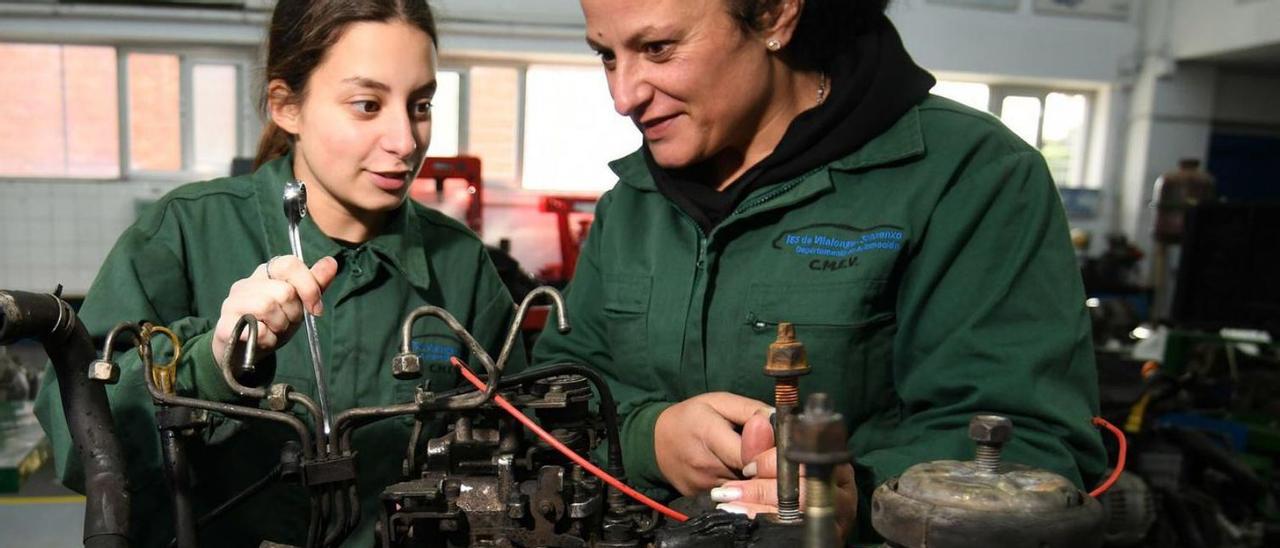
(366, 107)
(422, 109)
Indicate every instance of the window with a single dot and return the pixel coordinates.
(155, 130)
(1053, 121)
(59, 103)
(445, 108)
(571, 130)
(493, 113)
(213, 106)
(107, 113)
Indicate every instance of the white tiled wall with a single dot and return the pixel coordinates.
(58, 232)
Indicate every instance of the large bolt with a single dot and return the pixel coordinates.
(786, 362)
(821, 443)
(990, 432)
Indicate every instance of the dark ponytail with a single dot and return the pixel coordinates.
(824, 25)
(300, 33)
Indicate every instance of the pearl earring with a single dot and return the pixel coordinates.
(773, 44)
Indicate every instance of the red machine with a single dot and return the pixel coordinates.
(570, 242)
(441, 169)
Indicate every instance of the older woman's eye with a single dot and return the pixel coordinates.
(606, 57)
(658, 49)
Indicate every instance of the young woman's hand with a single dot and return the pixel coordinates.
(276, 294)
(696, 441)
(759, 494)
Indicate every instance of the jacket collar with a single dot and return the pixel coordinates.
(402, 245)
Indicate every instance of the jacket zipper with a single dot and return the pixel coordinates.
(769, 195)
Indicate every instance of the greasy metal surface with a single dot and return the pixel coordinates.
(912, 523)
(963, 485)
(985, 502)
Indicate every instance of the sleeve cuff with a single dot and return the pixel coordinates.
(637, 444)
(209, 384)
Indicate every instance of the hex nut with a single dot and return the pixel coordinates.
(787, 356)
(990, 429)
(104, 371)
(819, 435)
(278, 396)
(406, 366)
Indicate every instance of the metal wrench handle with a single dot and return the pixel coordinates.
(295, 208)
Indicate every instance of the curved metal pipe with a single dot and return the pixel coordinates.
(491, 369)
(299, 427)
(250, 323)
(562, 321)
(51, 320)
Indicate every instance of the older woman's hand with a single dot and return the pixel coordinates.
(696, 441)
(276, 294)
(759, 494)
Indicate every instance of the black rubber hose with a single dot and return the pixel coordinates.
(178, 470)
(51, 320)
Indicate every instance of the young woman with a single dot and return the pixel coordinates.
(348, 98)
(795, 169)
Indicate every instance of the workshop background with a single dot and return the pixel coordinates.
(108, 105)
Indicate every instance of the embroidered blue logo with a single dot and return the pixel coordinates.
(435, 356)
(835, 247)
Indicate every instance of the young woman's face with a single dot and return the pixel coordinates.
(363, 127)
(686, 74)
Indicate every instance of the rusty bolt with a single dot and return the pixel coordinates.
(787, 357)
(104, 371)
(406, 366)
(990, 429)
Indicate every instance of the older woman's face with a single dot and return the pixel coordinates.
(686, 74)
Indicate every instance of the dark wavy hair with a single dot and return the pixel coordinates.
(824, 25)
(301, 32)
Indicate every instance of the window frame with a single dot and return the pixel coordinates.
(246, 125)
(995, 105)
(188, 58)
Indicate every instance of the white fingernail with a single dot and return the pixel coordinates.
(732, 508)
(726, 494)
(749, 470)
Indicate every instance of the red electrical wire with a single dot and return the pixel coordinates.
(502, 402)
(1124, 449)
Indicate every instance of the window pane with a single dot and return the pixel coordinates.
(213, 101)
(491, 135)
(571, 130)
(1063, 137)
(70, 128)
(444, 114)
(1022, 115)
(966, 93)
(155, 138)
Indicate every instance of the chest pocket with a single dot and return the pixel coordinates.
(847, 329)
(626, 312)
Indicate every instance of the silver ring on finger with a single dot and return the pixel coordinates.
(269, 261)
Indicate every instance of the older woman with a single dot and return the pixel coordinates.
(796, 169)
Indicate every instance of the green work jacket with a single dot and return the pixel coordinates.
(929, 274)
(175, 266)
